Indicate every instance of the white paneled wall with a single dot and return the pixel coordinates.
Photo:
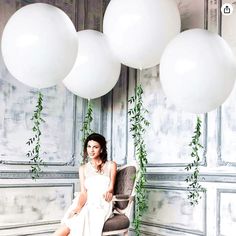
(35, 208)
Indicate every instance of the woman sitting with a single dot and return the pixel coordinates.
(92, 207)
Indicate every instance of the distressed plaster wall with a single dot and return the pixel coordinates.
(214, 215)
(30, 207)
(167, 140)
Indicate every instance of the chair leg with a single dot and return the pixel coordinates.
(126, 233)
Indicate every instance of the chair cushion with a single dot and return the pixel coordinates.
(116, 222)
(124, 184)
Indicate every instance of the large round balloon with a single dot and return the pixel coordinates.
(139, 30)
(197, 71)
(96, 70)
(39, 45)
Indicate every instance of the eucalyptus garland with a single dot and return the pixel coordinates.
(138, 128)
(194, 187)
(86, 127)
(34, 154)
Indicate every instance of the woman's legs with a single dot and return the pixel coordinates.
(62, 231)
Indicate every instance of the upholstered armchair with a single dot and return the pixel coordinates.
(124, 193)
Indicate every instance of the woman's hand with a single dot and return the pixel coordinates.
(108, 196)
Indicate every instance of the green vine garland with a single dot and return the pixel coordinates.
(194, 187)
(34, 154)
(86, 127)
(138, 128)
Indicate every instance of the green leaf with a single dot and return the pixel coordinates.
(193, 186)
(137, 129)
(35, 140)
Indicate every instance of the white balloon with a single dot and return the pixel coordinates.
(96, 70)
(197, 71)
(39, 45)
(139, 30)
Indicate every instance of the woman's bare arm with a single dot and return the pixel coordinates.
(83, 192)
(109, 194)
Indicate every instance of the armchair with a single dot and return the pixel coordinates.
(124, 193)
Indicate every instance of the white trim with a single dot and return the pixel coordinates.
(122, 231)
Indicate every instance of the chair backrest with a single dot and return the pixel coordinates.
(125, 186)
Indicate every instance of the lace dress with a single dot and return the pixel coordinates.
(90, 220)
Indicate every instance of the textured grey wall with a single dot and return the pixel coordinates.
(167, 139)
(35, 207)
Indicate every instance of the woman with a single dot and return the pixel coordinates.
(92, 207)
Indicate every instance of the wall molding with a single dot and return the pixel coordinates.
(218, 203)
(12, 174)
(29, 225)
(39, 232)
(43, 232)
(145, 233)
(174, 228)
(35, 224)
(38, 185)
(203, 161)
(151, 176)
(204, 177)
(27, 163)
(220, 161)
(70, 162)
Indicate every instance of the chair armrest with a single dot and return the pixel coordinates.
(122, 198)
(121, 203)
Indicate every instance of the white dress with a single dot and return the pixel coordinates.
(90, 220)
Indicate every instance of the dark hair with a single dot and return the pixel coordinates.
(102, 141)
